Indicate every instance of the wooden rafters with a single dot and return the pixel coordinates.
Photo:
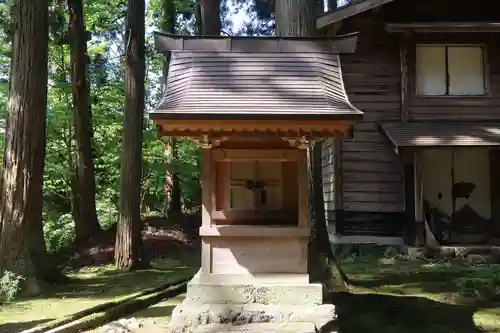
(277, 129)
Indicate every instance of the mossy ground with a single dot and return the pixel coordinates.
(91, 286)
(388, 295)
(395, 296)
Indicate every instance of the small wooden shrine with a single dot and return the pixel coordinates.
(253, 105)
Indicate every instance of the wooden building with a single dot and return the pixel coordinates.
(426, 74)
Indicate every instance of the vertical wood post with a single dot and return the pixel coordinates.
(419, 198)
(206, 206)
(494, 163)
(407, 60)
(303, 185)
(403, 59)
(410, 229)
(338, 186)
(453, 196)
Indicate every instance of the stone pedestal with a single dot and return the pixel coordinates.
(236, 303)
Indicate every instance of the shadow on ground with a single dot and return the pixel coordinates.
(106, 285)
(377, 313)
(446, 279)
(109, 283)
(18, 327)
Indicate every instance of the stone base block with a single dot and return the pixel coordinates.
(188, 317)
(258, 328)
(235, 304)
(199, 292)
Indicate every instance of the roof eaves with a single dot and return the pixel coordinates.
(344, 44)
(347, 11)
(356, 115)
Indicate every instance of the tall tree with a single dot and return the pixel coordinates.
(86, 223)
(24, 147)
(298, 18)
(172, 183)
(332, 5)
(210, 17)
(198, 22)
(128, 236)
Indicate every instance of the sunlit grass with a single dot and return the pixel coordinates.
(91, 286)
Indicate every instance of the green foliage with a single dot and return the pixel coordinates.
(105, 20)
(261, 16)
(108, 214)
(10, 285)
(59, 232)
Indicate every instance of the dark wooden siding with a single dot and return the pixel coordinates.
(463, 108)
(328, 164)
(371, 174)
(452, 108)
(440, 11)
(371, 224)
(371, 171)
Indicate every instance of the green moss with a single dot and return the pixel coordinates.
(405, 296)
(93, 286)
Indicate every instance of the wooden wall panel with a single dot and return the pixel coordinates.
(372, 180)
(328, 165)
(250, 255)
(371, 173)
(290, 193)
(372, 224)
(220, 183)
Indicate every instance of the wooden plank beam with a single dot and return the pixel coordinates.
(263, 129)
(403, 61)
(254, 154)
(429, 27)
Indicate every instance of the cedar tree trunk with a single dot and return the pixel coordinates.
(298, 18)
(128, 236)
(332, 5)
(210, 17)
(46, 269)
(172, 185)
(197, 16)
(295, 18)
(87, 225)
(24, 150)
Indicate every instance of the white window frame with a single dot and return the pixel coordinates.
(484, 65)
(238, 184)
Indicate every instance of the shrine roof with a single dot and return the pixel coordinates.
(257, 78)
